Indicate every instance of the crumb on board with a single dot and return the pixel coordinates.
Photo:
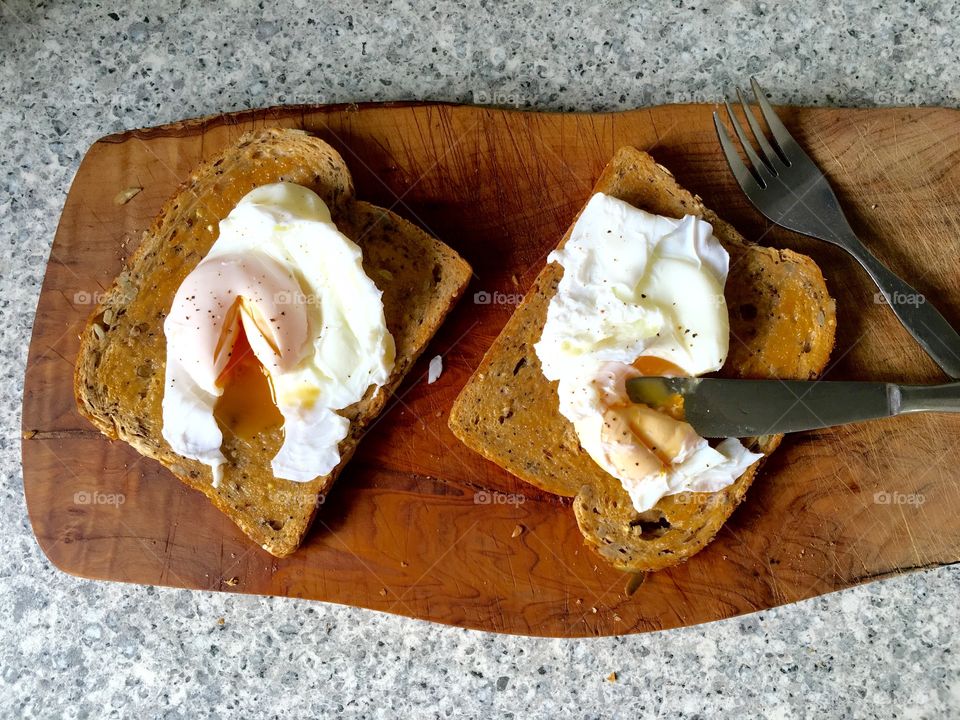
(232, 582)
(126, 195)
(517, 531)
(435, 369)
(612, 677)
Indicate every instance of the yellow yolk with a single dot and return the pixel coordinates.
(644, 438)
(248, 406)
(649, 366)
(640, 439)
(653, 366)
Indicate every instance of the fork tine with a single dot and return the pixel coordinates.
(745, 179)
(788, 146)
(773, 159)
(764, 174)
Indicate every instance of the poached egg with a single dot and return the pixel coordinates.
(641, 294)
(280, 297)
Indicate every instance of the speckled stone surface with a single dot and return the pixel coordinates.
(72, 648)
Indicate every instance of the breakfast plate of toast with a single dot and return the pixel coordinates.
(376, 355)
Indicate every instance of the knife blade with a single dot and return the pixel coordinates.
(719, 407)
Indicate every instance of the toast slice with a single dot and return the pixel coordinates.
(119, 376)
(782, 323)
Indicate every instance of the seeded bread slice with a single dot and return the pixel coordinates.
(782, 323)
(119, 376)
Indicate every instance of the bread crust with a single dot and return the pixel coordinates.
(782, 323)
(118, 381)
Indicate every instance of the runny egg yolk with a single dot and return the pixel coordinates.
(649, 366)
(248, 405)
(640, 440)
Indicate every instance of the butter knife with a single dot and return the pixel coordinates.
(718, 407)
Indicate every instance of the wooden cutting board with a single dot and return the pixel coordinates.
(418, 525)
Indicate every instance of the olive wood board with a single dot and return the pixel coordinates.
(419, 525)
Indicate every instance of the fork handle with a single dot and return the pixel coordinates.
(919, 317)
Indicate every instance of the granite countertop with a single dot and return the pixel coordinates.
(74, 648)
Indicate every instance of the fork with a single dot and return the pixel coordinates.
(788, 188)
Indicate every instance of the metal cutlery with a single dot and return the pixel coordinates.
(788, 188)
(717, 407)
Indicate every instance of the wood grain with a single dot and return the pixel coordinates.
(418, 524)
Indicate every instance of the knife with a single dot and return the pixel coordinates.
(718, 407)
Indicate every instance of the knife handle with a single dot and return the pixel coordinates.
(925, 398)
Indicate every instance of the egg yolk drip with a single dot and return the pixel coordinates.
(248, 405)
(671, 404)
(639, 439)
